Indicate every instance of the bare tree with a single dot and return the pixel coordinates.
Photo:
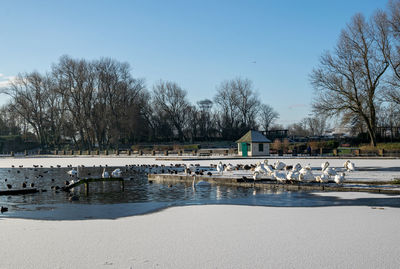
(316, 125)
(267, 116)
(170, 99)
(387, 30)
(30, 93)
(247, 101)
(348, 81)
(237, 107)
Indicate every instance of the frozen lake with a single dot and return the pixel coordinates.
(106, 200)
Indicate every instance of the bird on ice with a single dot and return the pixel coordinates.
(339, 178)
(349, 166)
(220, 167)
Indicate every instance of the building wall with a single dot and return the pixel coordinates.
(254, 150)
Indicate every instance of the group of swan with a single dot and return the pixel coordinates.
(299, 173)
(115, 174)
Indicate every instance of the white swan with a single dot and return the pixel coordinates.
(105, 174)
(256, 175)
(330, 171)
(339, 178)
(323, 178)
(278, 165)
(220, 168)
(349, 166)
(201, 183)
(260, 168)
(292, 175)
(305, 174)
(279, 176)
(296, 168)
(116, 173)
(324, 166)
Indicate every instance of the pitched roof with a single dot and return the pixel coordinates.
(253, 136)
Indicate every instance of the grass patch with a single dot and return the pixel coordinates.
(396, 181)
(385, 146)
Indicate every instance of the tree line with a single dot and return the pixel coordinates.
(358, 82)
(99, 104)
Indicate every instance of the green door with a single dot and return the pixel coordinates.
(244, 149)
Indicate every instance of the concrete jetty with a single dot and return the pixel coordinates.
(269, 183)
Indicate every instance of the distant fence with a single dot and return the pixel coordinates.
(201, 152)
(338, 152)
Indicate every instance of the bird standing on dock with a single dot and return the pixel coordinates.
(339, 178)
(256, 175)
(220, 168)
(305, 174)
(105, 174)
(324, 166)
(229, 167)
(278, 165)
(279, 176)
(329, 171)
(349, 166)
(323, 178)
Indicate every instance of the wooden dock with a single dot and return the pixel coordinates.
(86, 181)
(269, 183)
(19, 191)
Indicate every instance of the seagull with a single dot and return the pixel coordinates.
(72, 172)
(229, 167)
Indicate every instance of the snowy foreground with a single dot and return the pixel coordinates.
(212, 236)
(366, 169)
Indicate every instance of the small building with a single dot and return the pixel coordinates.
(253, 143)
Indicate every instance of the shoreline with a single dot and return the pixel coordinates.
(216, 236)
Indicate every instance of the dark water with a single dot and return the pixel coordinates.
(107, 200)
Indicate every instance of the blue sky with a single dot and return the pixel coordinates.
(197, 44)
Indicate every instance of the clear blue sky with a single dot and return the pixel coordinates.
(197, 44)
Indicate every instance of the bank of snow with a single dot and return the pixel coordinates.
(367, 169)
(212, 236)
